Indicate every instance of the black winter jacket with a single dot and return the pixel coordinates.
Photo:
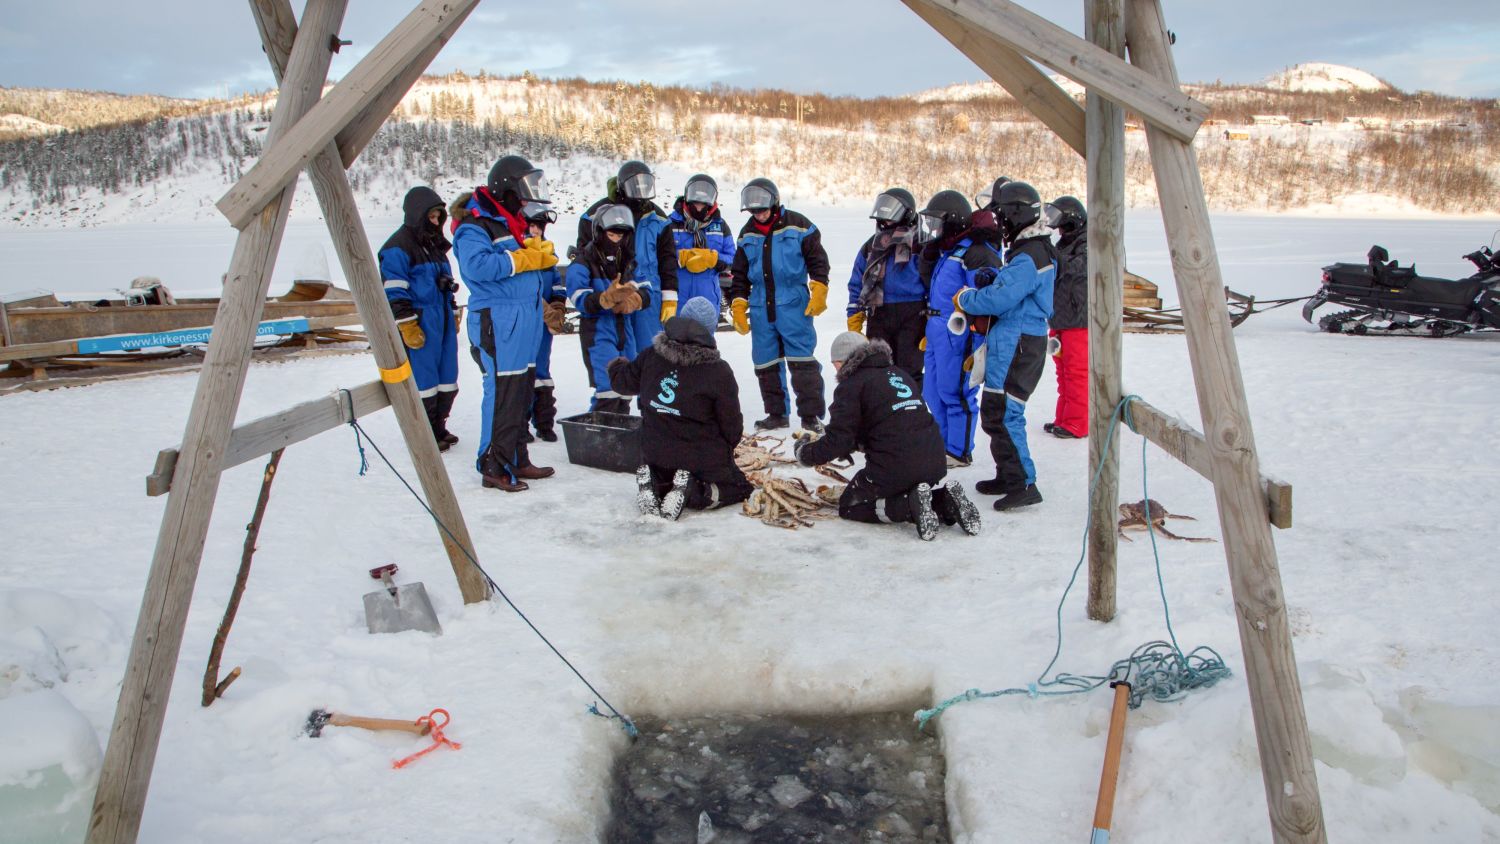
(1070, 292)
(878, 409)
(689, 400)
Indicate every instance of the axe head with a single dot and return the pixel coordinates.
(317, 721)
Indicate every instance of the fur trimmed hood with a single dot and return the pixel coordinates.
(685, 342)
(875, 353)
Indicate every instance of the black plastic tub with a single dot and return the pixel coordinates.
(608, 441)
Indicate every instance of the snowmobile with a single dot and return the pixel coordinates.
(1386, 298)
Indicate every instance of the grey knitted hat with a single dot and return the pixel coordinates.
(846, 344)
(702, 311)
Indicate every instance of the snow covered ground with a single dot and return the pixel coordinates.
(1389, 577)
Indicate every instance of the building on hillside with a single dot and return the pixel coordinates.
(1270, 120)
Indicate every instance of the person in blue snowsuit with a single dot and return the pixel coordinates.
(958, 252)
(554, 315)
(1019, 298)
(420, 288)
(505, 270)
(605, 300)
(780, 282)
(703, 242)
(655, 271)
(887, 296)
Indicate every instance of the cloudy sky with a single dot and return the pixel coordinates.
(196, 48)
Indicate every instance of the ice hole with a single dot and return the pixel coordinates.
(735, 779)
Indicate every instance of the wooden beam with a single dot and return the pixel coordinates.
(1182, 441)
(288, 155)
(1045, 99)
(1105, 26)
(256, 439)
(352, 138)
(366, 284)
(1286, 760)
(131, 753)
(1162, 105)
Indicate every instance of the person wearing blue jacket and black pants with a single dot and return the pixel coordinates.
(780, 282)
(1019, 298)
(605, 301)
(887, 296)
(655, 260)
(506, 270)
(420, 288)
(704, 244)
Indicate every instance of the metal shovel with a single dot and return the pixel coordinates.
(396, 608)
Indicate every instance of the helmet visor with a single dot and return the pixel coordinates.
(615, 218)
(1052, 215)
(756, 198)
(639, 186)
(983, 198)
(701, 191)
(536, 212)
(929, 227)
(533, 187)
(890, 208)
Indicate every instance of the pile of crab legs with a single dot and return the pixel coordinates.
(785, 502)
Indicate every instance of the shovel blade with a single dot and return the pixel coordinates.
(408, 609)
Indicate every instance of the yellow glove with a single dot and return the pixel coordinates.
(817, 299)
(526, 259)
(740, 312)
(697, 260)
(857, 322)
(668, 309)
(969, 364)
(411, 334)
(956, 306)
(543, 246)
(922, 345)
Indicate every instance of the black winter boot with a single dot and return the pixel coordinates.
(676, 497)
(771, 423)
(922, 514)
(1021, 498)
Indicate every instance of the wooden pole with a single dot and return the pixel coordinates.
(1109, 777)
(126, 773)
(1012, 71)
(1286, 759)
(1105, 26)
(365, 282)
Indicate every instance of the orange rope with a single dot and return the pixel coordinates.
(438, 739)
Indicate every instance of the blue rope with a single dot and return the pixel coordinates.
(1159, 670)
(625, 722)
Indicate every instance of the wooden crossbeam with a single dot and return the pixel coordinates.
(1023, 80)
(288, 155)
(1182, 441)
(1286, 759)
(1161, 104)
(258, 438)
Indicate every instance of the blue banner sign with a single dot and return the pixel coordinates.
(182, 337)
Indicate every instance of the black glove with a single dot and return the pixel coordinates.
(797, 446)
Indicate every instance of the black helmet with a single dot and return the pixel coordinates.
(1067, 214)
(515, 174)
(701, 188)
(895, 206)
(635, 181)
(986, 198)
(1018, 206)
(947, 212)
(760, 195)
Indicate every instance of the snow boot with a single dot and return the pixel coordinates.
(926, 519)
(958, 507)
(1063, 433)
(645, 496)
(1020, 498)
(771, 423)
(676, 497)
(546, 435)
(991, 486)
(449, 438)
(813, 425)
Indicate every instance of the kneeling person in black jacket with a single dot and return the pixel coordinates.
(878, 409)
(691, 422)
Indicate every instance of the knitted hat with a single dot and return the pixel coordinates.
(702, 311)
(846, 344)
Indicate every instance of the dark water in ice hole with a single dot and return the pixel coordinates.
(746, 778)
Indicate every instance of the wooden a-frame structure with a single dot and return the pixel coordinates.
(324, 134)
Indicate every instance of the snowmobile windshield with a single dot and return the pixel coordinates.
(615, 218)
(639, 186)
(889, 208)
(756, 198)
(533, 187)
(929, 228)
(536, 212)
(701, 191)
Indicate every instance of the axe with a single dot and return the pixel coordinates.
(321, 718)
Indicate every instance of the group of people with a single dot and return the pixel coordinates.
(950, 308)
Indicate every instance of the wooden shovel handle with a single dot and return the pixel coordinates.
(338, 720)
(1104, 809)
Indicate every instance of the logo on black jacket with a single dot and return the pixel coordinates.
(666, 395)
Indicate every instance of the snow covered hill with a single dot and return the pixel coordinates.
(1323, 78)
